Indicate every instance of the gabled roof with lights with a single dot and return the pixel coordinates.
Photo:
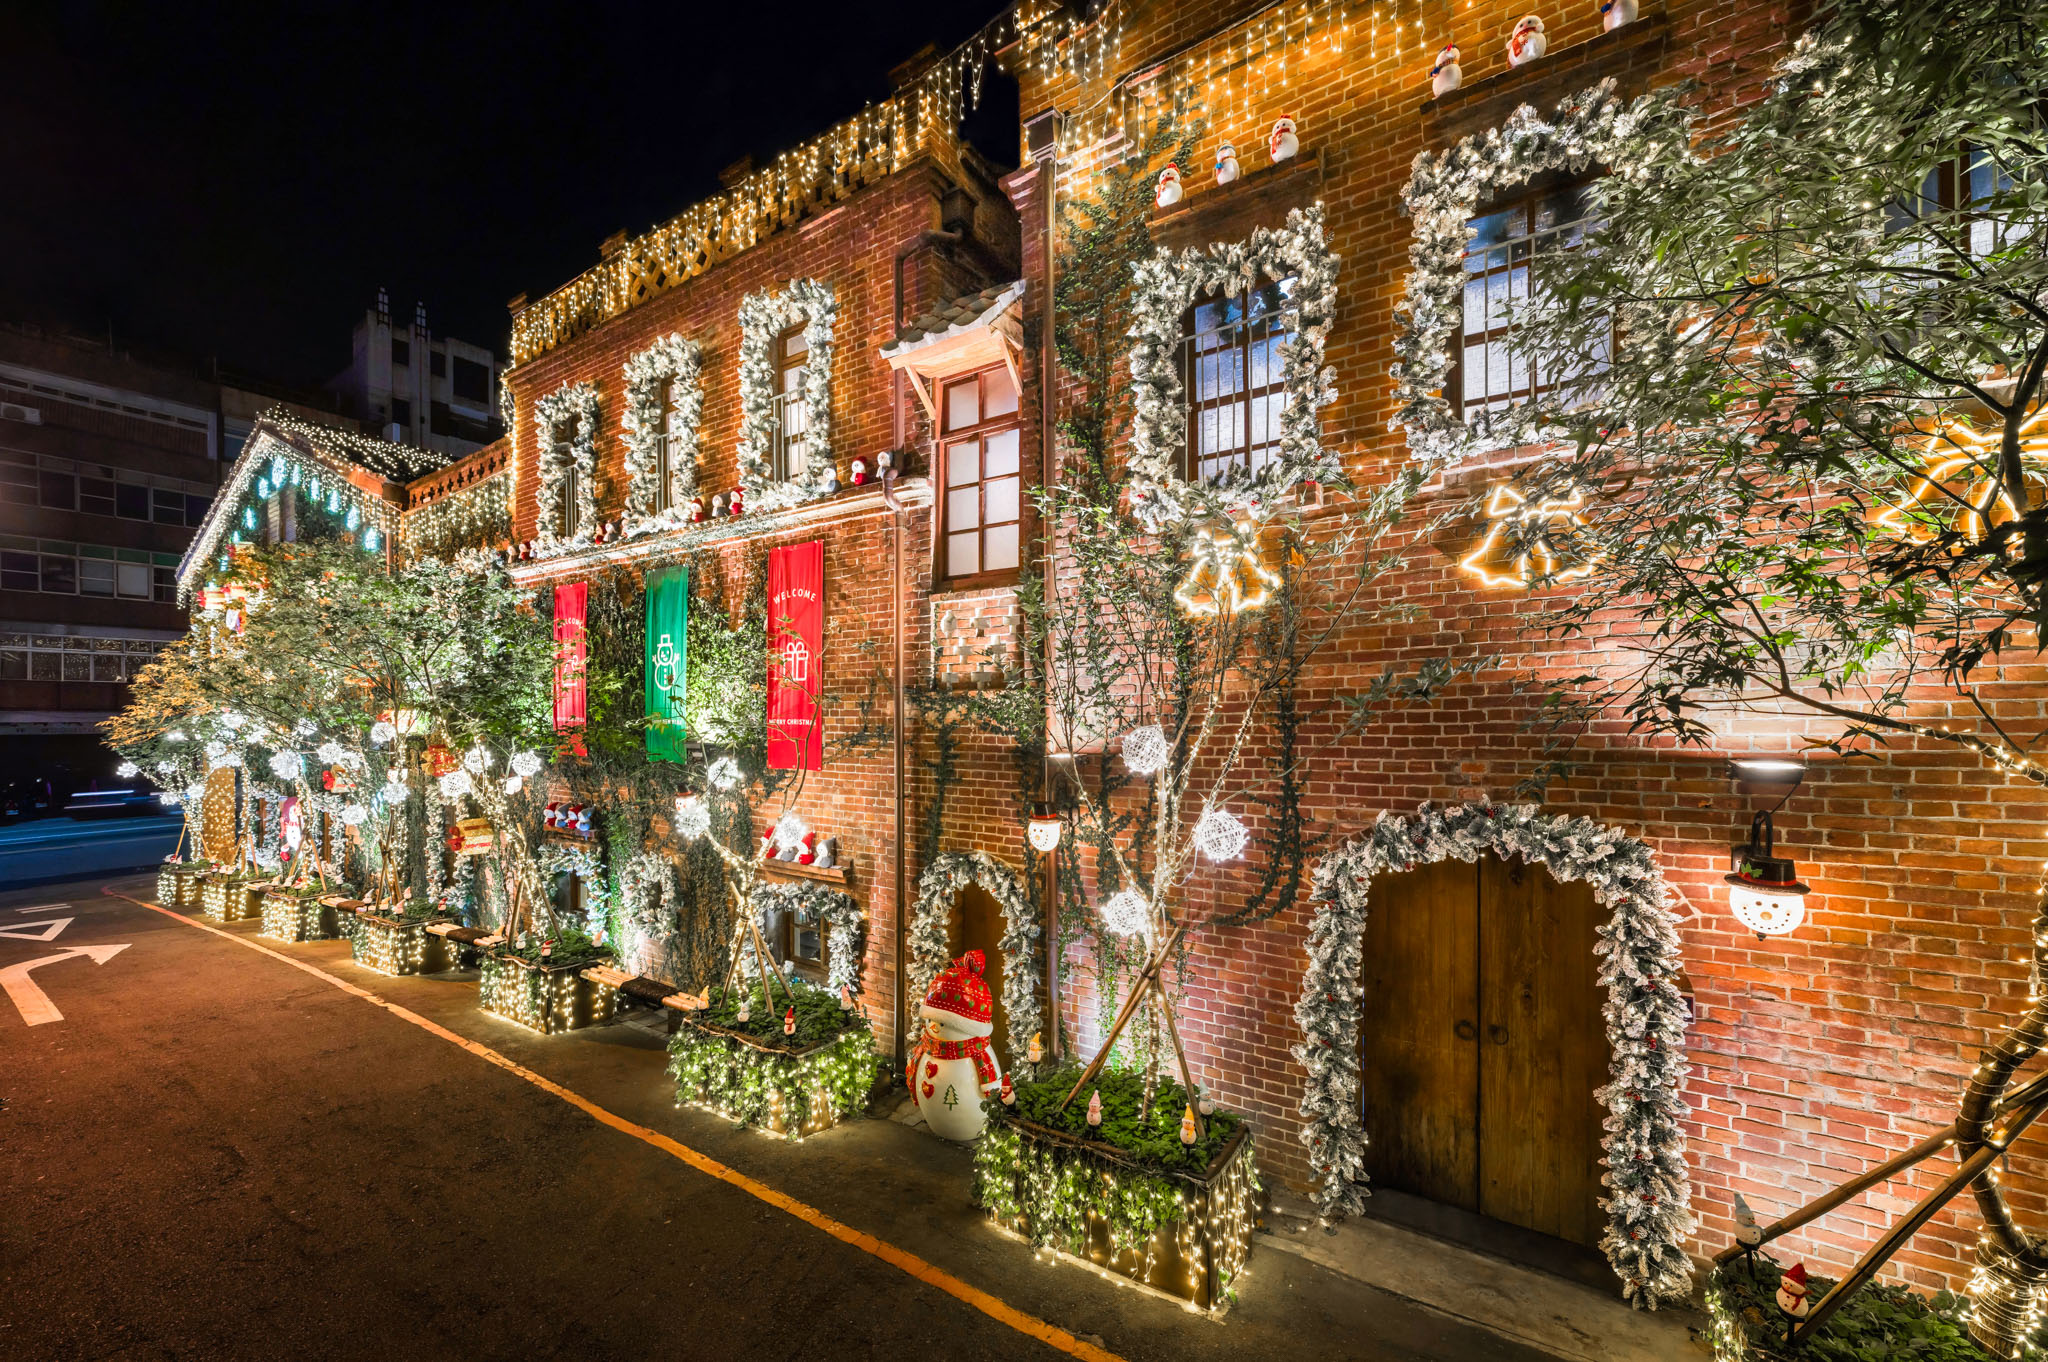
(350, 475)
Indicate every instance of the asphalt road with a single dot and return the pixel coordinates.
(55, 849)
(214, 1155)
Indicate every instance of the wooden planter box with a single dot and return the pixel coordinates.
(1194, 1258)
(398, 945)
(547, 998)
(296, 917)
(178, 884)
(792, 1093)
(226, 900)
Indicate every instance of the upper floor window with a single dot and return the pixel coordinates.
(569, 497)
(981, 518)
(1489, 371)
(792, 414)
(401, 353)
(664, 446)
(1955, 194)
(1231, 371)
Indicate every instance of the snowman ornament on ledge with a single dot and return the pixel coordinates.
(1528, 42)
(953, 1064)
(1446, 75)
(1168, 192)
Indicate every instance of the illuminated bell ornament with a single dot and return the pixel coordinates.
(1226, 164)
(1095, 1106)
(1615, 13)
(1145, 750)
(1168, 192)
(1219, 836)
(789, 1022)
(1527, 42)
(1793, 1292)
(1187, 1126)
(1446, 75)
(1282, 143)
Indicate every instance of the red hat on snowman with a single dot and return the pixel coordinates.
(959, 997)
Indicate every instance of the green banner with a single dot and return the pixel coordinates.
(668, 622)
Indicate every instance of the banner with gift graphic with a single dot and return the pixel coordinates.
(668, 624)
(571, 707)
(796, 655)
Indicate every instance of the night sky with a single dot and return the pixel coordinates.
(213, 181)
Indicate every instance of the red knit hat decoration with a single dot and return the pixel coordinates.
(959, 996)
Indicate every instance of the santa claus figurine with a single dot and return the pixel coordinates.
(696, 509)
(953, 1064)
(1527, 43)
(860, 472)
(1168, 192)
(738, 502)
(1446, 75)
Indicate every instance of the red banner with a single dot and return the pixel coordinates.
(571, 708)
(796, 656)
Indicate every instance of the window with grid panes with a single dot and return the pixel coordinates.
(803, 944)
(981, 516)
(1488, 370)
(1953, 190)
(792, 417)
(662, 443)
(1230, 369)
(567, 517)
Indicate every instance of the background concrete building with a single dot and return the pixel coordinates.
(411, 387)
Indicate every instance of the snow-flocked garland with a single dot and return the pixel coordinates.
(649, 905)
(674, 364)
(574, 404)
(1021, 943)
(1165, 287)
(1648, 1205)
(764, 315)
(1445, 191)
(837, 910)
(588, 866)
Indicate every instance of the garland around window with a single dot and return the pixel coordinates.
(674, 364)
(1445, 191)
(649, 908)
(837, 910)
(1165, 287)
(574, 404)
(1648, 1207)
(582, 861)
(1021, 943)
(763, 317)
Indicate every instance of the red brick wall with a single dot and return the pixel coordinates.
(1815, 1055)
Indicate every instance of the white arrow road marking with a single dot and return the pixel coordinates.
(35, 1005)
(20, 930)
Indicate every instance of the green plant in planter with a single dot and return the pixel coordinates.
(774, 1083)
(570, 947)
(1881, 1322)
(1154, 1140)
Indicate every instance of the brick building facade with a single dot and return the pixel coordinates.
(1813, 1056)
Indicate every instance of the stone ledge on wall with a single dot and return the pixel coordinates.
(1228, 212)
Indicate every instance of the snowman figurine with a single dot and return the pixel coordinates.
(1283, 143)
(1168, 192)
(1527, 43)
(1226, 163)
(1446, 75)
(953, 1065)
(1615, 13)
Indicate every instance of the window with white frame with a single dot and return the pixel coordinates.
(792, 412)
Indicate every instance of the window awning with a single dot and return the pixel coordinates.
(958, 337)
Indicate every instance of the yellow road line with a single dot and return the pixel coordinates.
(909, 1262)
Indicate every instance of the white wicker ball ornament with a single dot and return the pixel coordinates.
(1145, 750)
(526, 764)
(456, 784)
(1127, 913)
(1219, 836)
(693, 818)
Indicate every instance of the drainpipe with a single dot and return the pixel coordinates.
(899, 528)
(1048, 417)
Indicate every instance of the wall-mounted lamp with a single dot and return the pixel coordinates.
(1764, 889)
(1044, 831)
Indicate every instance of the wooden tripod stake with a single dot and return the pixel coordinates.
(1148, 982)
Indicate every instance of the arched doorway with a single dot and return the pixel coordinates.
(968, 900)
(1481, 1043)
(979, 921)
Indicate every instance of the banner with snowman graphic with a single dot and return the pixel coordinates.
(796, 653)
(668, 625)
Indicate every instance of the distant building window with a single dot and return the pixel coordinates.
(60, 491)
(53, 657)
(437, 364)
(401, 353)
(90, 570)
(981, 518)
(472, 381)
(401, 411)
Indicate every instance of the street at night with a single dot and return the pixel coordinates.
(213, 1154)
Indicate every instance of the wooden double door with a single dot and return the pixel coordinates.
(981, 929)
(1482, 1043)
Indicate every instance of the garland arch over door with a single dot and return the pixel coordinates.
(1638, 959)
(1021, 944)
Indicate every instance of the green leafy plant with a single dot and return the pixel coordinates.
(1881, 1322)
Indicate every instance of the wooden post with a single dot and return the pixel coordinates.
(1187, 1078)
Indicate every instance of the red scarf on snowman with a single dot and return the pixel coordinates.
(961, 992)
